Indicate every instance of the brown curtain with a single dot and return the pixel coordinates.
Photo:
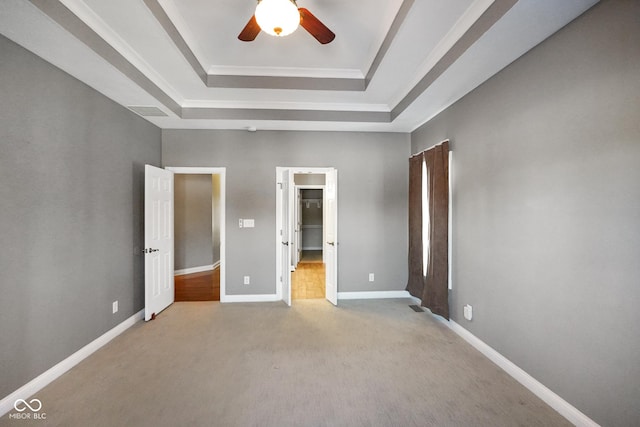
(435, 291)
(415, 284)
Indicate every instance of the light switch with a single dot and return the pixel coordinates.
(249, 223)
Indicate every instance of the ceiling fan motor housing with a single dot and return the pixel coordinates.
(277, 17)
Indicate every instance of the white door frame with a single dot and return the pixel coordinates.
(294, 170)
(223, 200)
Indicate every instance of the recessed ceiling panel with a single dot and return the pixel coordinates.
(423, 60)
(212, 28)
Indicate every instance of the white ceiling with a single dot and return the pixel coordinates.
(393, 65)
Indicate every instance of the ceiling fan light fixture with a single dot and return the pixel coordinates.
(277, 17)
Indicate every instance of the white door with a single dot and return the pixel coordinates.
(331, 234)
(158, 240)
(285, 234)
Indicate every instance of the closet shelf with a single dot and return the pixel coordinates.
(308, 202)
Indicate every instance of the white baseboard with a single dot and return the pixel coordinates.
(196, 269)
(341, 295)
(250, 298)
(42, 380)
(373, 295)
(563, 407)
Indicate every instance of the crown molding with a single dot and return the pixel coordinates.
(286, 115)
(462, 25)
(104, 31)
(285, 105)
(454, 45)
(319, 73)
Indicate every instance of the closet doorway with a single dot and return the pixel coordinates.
(308, 275)
(294, 244)
(199, 233)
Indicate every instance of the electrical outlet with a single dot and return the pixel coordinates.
(247, 280)
(371, 277)
(114, 307)
(240, 223)
(468, 312)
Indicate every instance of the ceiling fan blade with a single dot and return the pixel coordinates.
(316, 28)
(250, 31)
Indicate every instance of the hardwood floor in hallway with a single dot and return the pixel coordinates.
(203, 286)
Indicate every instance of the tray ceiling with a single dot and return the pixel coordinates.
(393, 65)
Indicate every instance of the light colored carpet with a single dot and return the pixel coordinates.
(364, 363)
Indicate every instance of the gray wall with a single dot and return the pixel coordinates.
(71, 214)
(546, 211)
(193, 230)
(372, 198)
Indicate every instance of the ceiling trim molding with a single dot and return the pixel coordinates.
(90, 18)
(490, 16)
(281, 82)
(60, 12)
(64, 17)
(252, 81)
(319, 73)
(462, 25)
(168, 26)
(286, 115)
(284, 105)
(386, 43)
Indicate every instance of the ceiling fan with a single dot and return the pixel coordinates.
(281, 18)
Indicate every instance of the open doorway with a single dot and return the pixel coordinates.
(317, 241)
(308, 275)
(198, 233)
